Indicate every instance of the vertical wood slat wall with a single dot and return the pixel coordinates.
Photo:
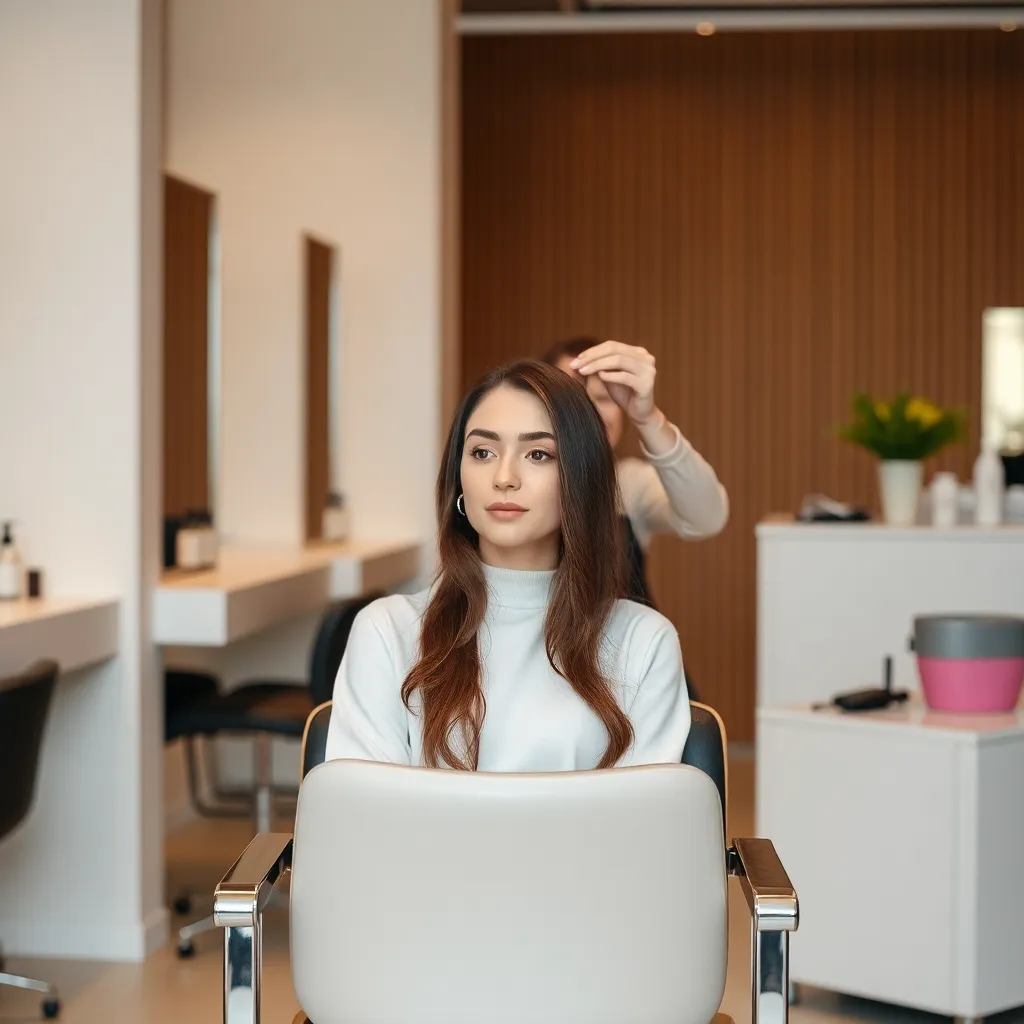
(319, 262)
(188, 220)
(782, 219)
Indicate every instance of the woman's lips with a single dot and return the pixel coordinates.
(505, 510)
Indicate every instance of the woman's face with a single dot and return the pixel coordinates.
(611, 414)
(510, 481)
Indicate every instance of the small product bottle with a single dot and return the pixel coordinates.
(335, 518)
(989, 487)
(189, 543)
(207, 538)
(944, 500)
(10, 567)
(211, 545)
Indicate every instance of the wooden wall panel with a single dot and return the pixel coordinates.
(319, 277)
(188, 219)
(782, 219)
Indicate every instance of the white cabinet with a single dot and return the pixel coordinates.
(903, 833)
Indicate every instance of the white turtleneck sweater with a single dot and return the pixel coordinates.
(534, 720)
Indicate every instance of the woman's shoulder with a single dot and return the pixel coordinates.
(395, 615)
(635, 628)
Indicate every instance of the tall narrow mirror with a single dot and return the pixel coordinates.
(324, 503)
(191, 356)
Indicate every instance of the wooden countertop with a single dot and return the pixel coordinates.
(255, 586)
(76, 632)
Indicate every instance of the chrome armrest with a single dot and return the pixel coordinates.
(769, 892)
(243, 892)
(238, 904)
(774, 913)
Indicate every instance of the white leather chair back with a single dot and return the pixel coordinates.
(438, 897)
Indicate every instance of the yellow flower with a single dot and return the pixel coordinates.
(882, 411)
(924, 412)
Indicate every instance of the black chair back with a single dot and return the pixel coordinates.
(24, 705)
(706, 749)
(705, 745)
(314, 742)
(329, 645)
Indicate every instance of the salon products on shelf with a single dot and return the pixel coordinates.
(10, 567)
(989, 488)
(944, 492)
(335, 518)
(195, 541)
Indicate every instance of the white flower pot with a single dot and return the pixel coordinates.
(899, 483)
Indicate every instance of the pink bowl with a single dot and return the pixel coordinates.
(971, 684)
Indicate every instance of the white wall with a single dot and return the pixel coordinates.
(324, 118)
(79, 426)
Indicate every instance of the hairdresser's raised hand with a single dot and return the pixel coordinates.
(628, 372)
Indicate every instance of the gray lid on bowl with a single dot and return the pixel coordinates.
(969, 636)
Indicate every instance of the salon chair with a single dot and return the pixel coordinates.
(25, 701)
(436, 897)
(259, 710)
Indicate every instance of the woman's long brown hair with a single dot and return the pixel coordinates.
(586, 584)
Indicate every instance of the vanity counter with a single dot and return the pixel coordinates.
(256, 586)
(76, 633)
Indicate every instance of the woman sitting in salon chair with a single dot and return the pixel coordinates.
(522, 657)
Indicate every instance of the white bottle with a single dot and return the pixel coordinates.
(944, 496)
(989, 486)
(335, 518)
(189, 550)
(10, 567)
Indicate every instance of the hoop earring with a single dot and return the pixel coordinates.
(460, 504)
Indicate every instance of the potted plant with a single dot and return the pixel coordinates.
(901, 434)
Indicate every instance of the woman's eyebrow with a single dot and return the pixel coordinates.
(529, 436)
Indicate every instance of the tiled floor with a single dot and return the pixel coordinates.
(166, 990)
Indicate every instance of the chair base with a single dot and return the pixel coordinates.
(51, 1002)
(226, 803)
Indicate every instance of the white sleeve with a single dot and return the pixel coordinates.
(368, 719)
(677, 492)
(660, 712)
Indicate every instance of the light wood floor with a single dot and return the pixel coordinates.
(166, 990)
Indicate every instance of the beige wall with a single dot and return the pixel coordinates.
(79, 428)
(306, 116)
(324, 118)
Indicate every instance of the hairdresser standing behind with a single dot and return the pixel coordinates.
(672, 489)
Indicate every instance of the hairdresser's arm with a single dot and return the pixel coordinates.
(660, 712)
(368, 718)
(683, 496)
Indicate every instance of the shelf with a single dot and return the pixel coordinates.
(254, 587)
(788, 527)
(913, 715)
(75, 633)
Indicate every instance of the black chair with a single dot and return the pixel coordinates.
(261, 710)
(24, 706)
